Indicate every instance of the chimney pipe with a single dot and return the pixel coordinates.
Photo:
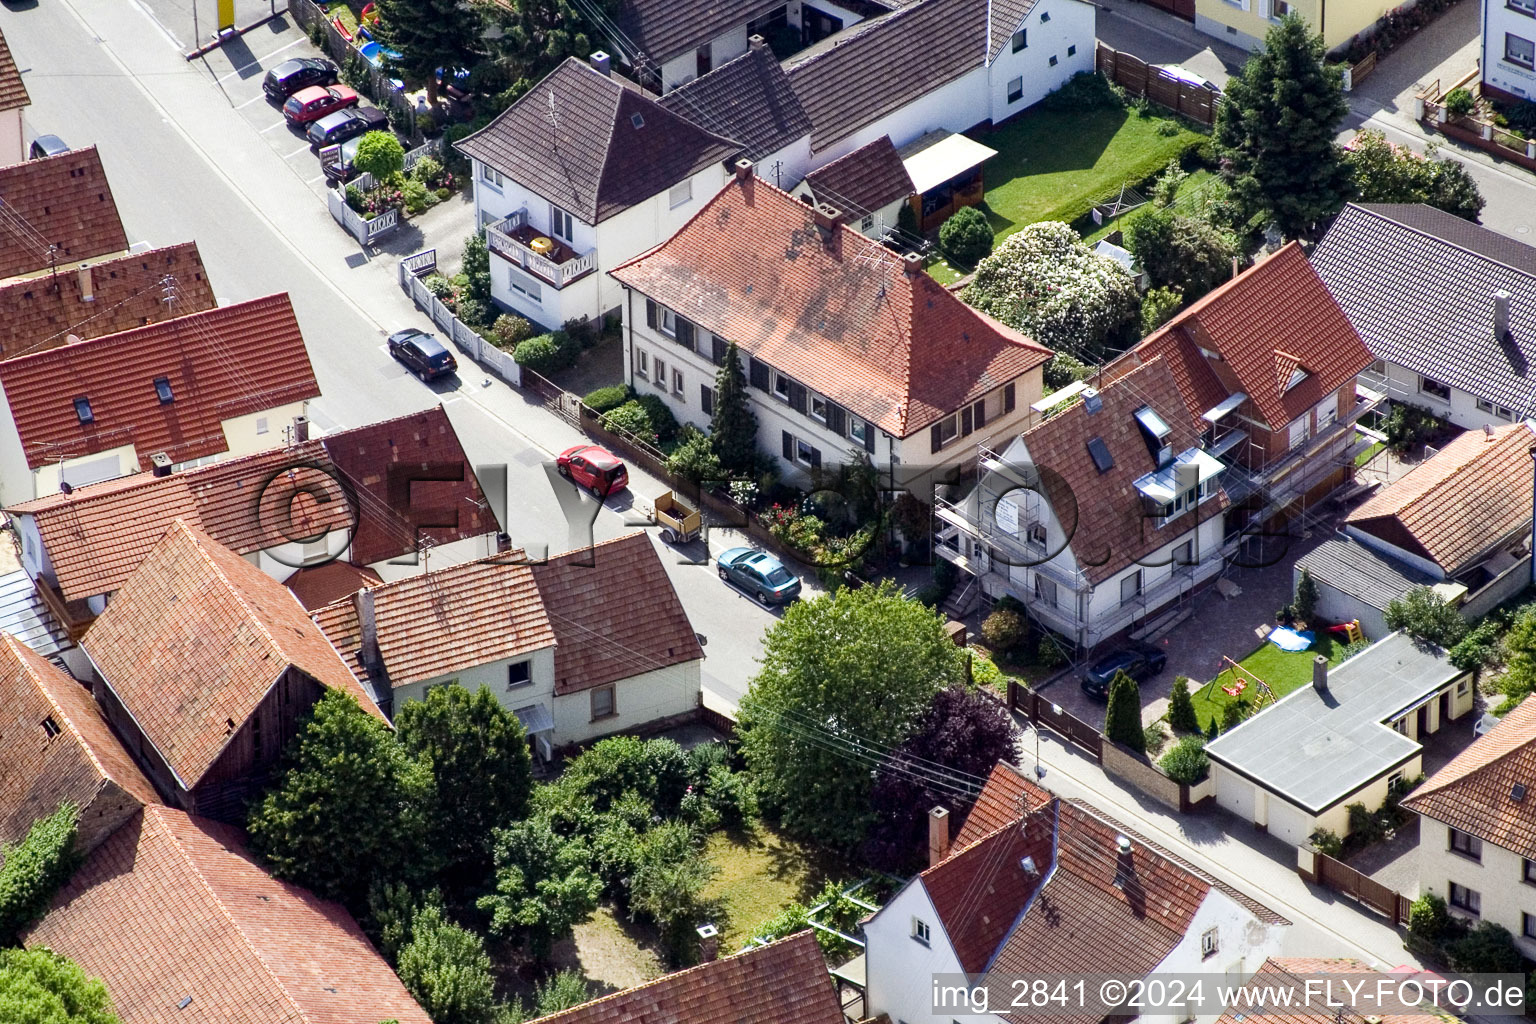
(1320, 674)
(912, 264)
(709, 942)
(827, 216)
(1501, 300)
(160, 464)
(368, 626)
(743, 168)
(87, 293)
(938, 835)
(1092, 403)
(300, 428)
(601, 63)
(756, 42)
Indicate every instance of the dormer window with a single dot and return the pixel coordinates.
(1155, 432)
(163, 390)
(83, 410)
(50, 727)
(1297, 376)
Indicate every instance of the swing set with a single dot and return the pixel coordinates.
(1241, 677)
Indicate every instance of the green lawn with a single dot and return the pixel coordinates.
(1369, 454)
(1053, 164)
(1196, 181)
(1284, 671)
(760, 872)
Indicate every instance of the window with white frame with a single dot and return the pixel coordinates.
(1281, 9)
(261, 425)
(1435, 389)
(1210, 942)
(680, 193)
(1504, 413)
(1016, 89)
(818, 409)
(524, 284)
(1020, 39)
(1469, 900)
(1483, 405)
(1045, 591)
(519, 674)
(490, 175)
(1326, 413)
(1526, 7)
(560, 224)
(867, 223)
(949, 429)
(677, 381)
(642, 362)
(920, 931)
(806, 454)
(781, 386)
(1130, 587)
(666, 321)
(602, 703)
(858, 430)
(1519, 50)
(660, 376)
(1465, 844)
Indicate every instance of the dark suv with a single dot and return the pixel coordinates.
(422, 354)
(299, 73)
(1139, 661)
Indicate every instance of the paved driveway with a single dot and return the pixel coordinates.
(1160, 38)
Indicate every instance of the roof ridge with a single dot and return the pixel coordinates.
(792, 937)
(58, 709)
(1375, 210)
(1476, 448)
(218, 902)
(1210, 298)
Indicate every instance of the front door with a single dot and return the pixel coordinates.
(1445, 708)
(1424, 720)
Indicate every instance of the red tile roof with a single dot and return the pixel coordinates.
(834, 310)
(126, 292)
(196, 638)
(181, 923)
(784, 982)
(1453, 507)
(315, 588)
(1103, 512)
(1278, 974)
(77, 758)
(979, 891)
(96, 535)
(1475, 791)
(13, 93)
(615, 614)
(1006, 797)
(870, 177)
(62, 201)
(220, 363)
(1273, 317)
(446, 621)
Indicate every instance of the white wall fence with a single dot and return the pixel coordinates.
(412, 269)
(366, 231)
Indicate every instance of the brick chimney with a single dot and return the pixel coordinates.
(87, 292)
(601, 63)
(1320, 674)
(300, 429)
(938, 835)
(912, 264)
(827, 216)
(743, 169)
(1501, 301)
(709, 942)
(756, 42)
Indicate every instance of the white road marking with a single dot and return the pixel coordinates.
(280, 124)
(253, 99)
(302, 149)
(257, 62)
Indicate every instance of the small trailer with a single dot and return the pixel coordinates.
(679, 523)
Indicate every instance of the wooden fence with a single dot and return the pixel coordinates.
(1363, 889)
(1128, 70)
(1358, 73)
(1040, 711)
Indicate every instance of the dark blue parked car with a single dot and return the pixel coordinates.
(759, 574)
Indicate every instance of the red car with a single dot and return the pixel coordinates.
(596, 469)
(313, 103)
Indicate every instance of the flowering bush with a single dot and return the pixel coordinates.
(1047, 283)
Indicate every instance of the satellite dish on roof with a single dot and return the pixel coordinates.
(71, 339)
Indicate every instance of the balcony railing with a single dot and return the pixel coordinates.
(512, 239)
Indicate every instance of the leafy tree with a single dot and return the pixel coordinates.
(1422, 613)
(1122, 720)
(427, 35)
(734, 426)
(561, 991)
(36, 868)
(963, 730)
(850, 670)
(694, 457)
(1305, 603)
(1045, 281)
(379, 154)
(668, 884)
(1003, 630)
(1487, 949)
(1182, 252)
(539, 34)
(1384, 173)
(1158, 306)
(1181, 710)
(1062, 371)
(39, 986)
(447, 971)
(476, 753)
(1518, 679)
(655, 770)
(1428, 917)
(346, 788)
(544, 885)
(1187, 762)
(1275, 131)
(966, 237)
(477, 268)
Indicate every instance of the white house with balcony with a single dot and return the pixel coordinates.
(845, 345)
(1509, 50)
(580, 174)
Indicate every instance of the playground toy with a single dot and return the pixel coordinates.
(1240, 683)
(342, 28)
(1351, 631)
(369, 16)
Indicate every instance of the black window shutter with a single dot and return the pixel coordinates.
(869, 437)
(707, 399)
(815, 458)
(789, 446)
(758, 375)
(650, 313)
(797, 396)
(936, 437)
(980, 409)
(685, 333)
(1008, 401)
(721, 348)
(837, 420)
(965, 421)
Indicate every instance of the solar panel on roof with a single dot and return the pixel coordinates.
(1100, 452)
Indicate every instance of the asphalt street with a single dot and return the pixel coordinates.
(194, 152)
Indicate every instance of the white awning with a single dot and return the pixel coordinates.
(1229, 403)
(535, 718)
(1162, 485)
(948, 158)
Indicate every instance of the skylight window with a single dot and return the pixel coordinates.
(637, 120)
(83, 410)
(1100, 453)
(163, 390)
